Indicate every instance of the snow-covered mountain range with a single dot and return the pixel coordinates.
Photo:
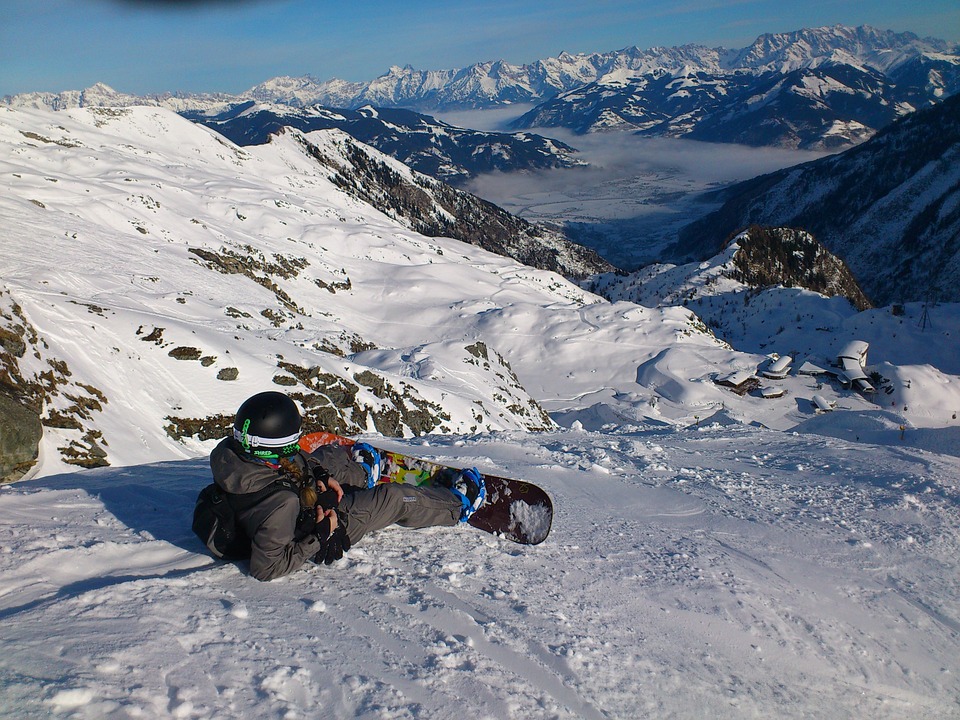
(826, 87)
(717, 549)
(821, 88)
(825, 107)
(889, 208)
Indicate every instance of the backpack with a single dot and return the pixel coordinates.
(215, 518)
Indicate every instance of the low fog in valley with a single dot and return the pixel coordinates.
(634, 194)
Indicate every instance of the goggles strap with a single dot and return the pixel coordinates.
(249, 441)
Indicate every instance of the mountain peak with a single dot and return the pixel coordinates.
(100, 87)
(869, 46)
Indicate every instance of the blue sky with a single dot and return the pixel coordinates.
(144, 46)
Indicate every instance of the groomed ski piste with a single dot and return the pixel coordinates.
(701, 564)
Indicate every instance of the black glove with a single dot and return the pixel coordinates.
(337, 544)
(328, 498)
(322, 530)
(332, 545)
(306, 523)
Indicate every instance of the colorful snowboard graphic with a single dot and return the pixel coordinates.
(517, 510)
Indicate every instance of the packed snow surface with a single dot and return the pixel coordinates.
(712, 571)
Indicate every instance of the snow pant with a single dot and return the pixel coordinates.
(397, 504)
(366, 510)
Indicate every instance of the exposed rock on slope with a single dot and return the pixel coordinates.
(792, 258)
(769, 288)
(435, 209)
(756, 259)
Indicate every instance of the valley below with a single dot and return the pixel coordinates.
(634, 194)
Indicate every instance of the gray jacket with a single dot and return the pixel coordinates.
(271, 524)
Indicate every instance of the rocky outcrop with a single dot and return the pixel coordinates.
(20, 433)
(793, 258)
(20, 427)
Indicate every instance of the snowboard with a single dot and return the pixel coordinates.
(514, 509)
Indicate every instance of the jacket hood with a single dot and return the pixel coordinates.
(235, 474)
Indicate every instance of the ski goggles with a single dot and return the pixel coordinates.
(266, 448)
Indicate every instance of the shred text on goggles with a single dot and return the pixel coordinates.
(271, 447)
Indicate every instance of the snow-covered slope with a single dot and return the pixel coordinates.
(773, 312)
(156, 274)
(435, 209)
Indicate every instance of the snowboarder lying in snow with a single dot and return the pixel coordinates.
(295, 506)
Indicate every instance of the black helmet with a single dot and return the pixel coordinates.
(268, 425)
